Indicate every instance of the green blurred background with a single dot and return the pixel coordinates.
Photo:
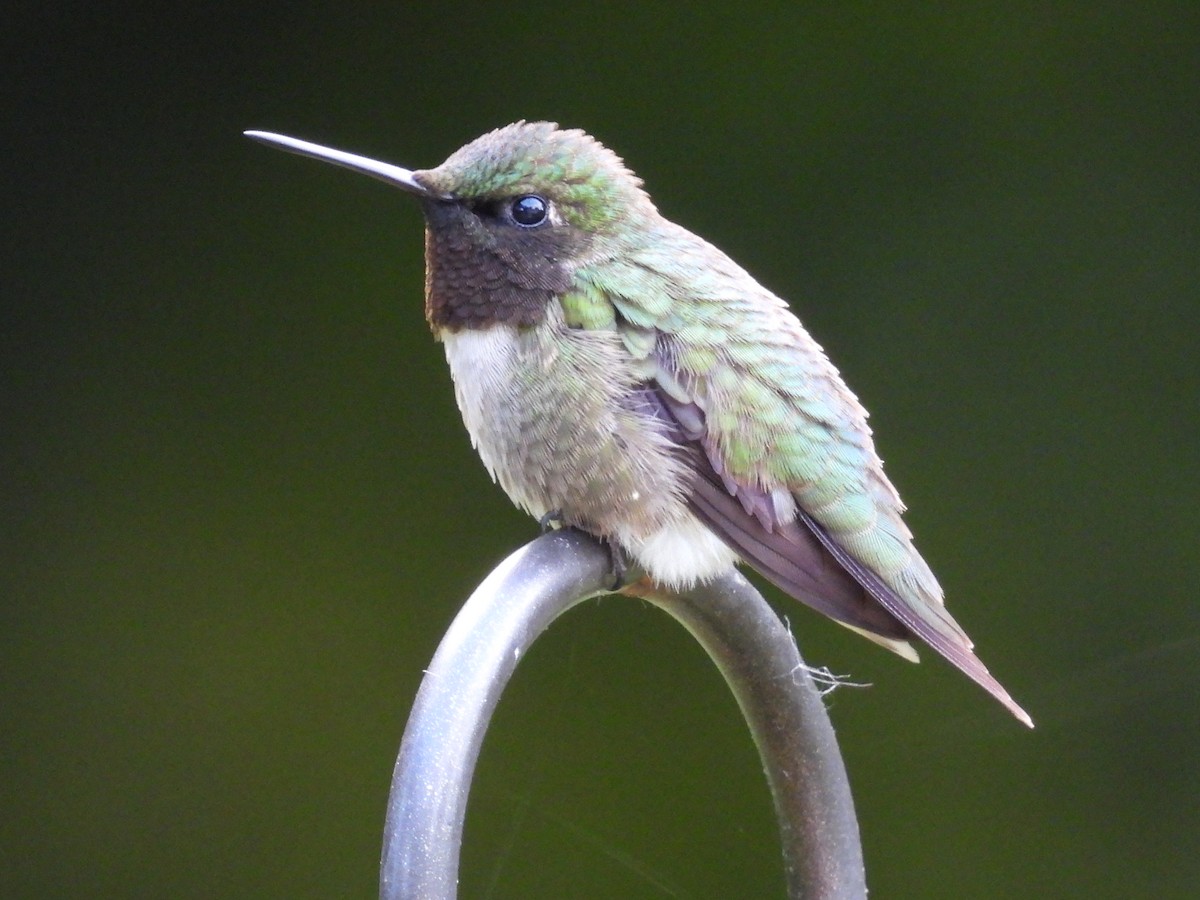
(239, 507)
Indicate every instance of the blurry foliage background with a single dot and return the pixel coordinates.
(239, 507)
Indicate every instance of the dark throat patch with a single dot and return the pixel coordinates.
(478, 273)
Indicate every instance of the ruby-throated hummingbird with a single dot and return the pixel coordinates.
(621, 375)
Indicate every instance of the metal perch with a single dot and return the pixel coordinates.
(517, 602)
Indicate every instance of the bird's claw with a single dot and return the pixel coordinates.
(551, 521)
(619, 562)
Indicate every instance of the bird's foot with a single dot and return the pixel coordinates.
(617, 558)
(619, 561)
(551, 521)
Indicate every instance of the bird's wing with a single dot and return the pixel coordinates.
(786, 469)
(787, 553)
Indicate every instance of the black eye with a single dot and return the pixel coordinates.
(529, 210)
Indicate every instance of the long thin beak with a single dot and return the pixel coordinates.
(393, 175)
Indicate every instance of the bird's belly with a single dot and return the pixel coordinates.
(548, 409)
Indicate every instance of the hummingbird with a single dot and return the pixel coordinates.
(619, 374)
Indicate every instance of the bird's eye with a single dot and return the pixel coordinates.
(529, 210)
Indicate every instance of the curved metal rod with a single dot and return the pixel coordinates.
(758, 656)
(494, 629)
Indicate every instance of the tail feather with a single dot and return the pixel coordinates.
(803, 560)
(952, 647)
